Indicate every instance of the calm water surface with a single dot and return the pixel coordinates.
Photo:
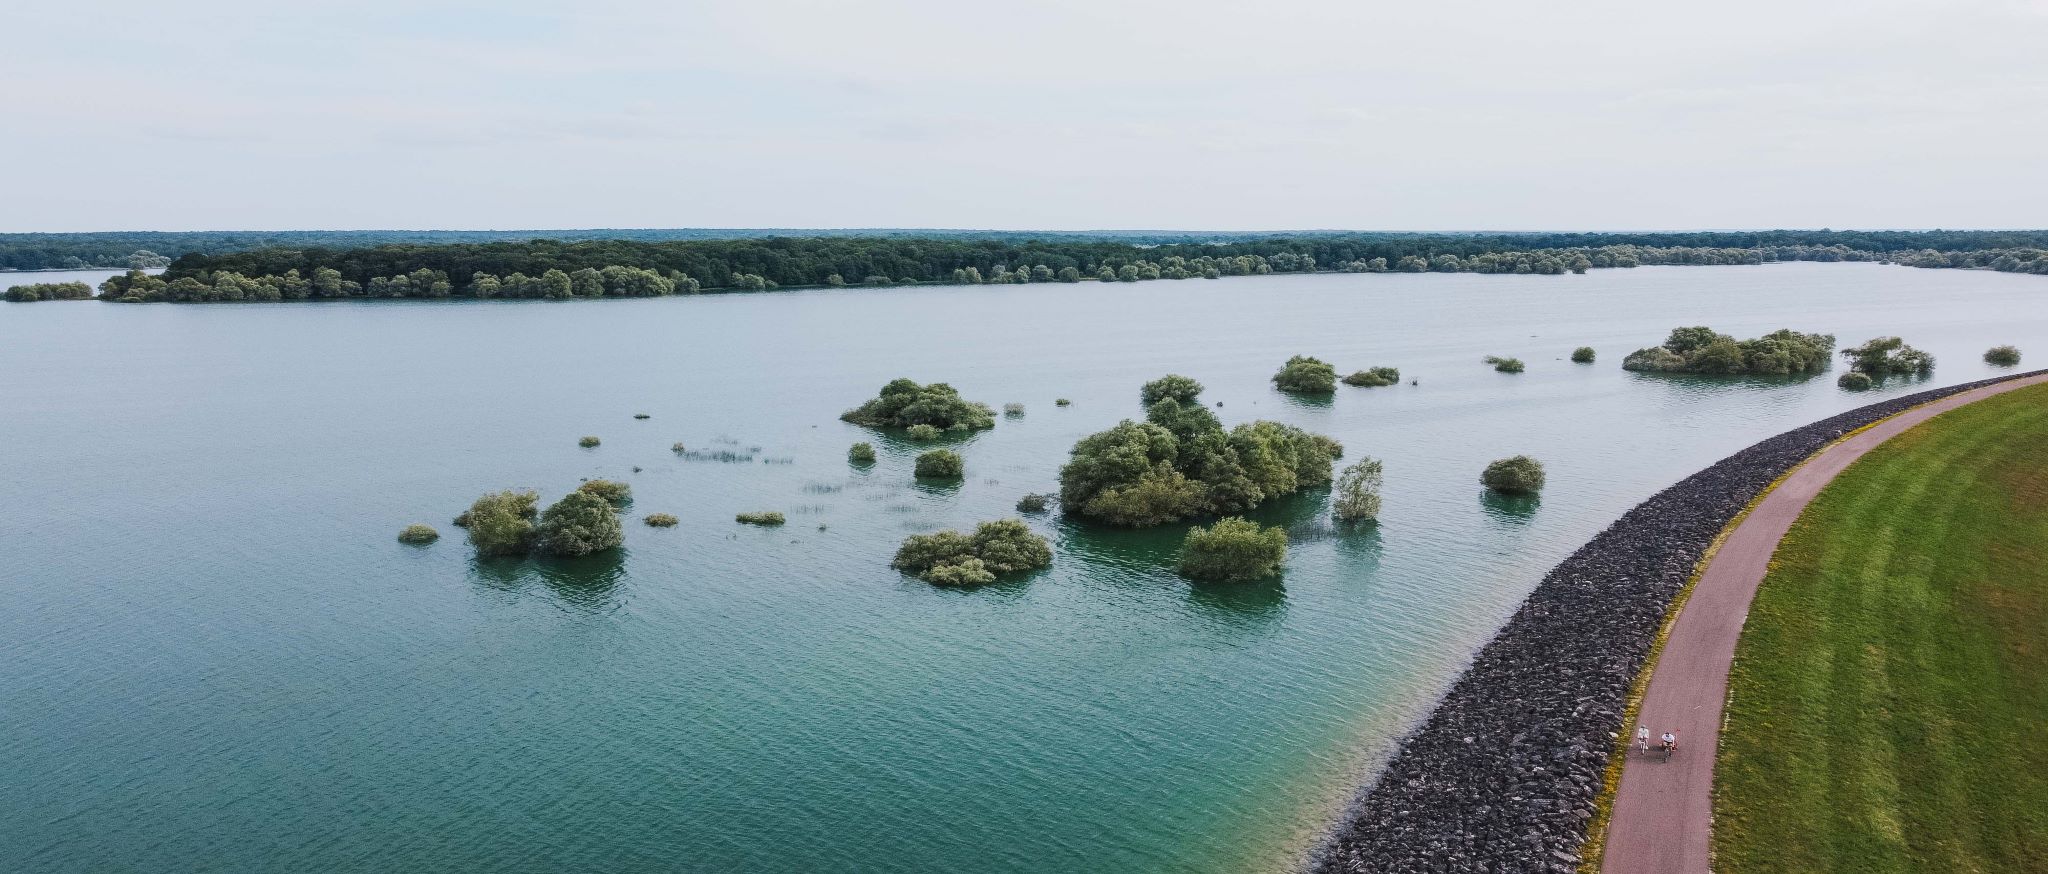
(214, 655)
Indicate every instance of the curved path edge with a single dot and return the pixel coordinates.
(1504, 772)
(1663, 811)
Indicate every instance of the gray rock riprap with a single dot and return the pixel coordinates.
(1502, 776)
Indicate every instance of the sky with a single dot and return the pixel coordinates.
(1067, 114)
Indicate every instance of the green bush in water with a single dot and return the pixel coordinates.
(903, 403)
(501, 523)
(418, 535)
(1520, 475)
(1700, 349)
(861, 453)
(1000, 547)
(1883, 356)
(612, 491)
(1233, 550)
(1062, 402)
(1582, 355)
(1013, 409)
(939, 464)
(1854, 381)
(770, 517)
(1505, 365)
(1181, 463)
(2002, 356)
(660, 520)
(969, 571)
(1374, 378)
(924, 432)
(1358, 491)
(1172, 385)
(1304, 375)
(1033, 503)
(580, 523)
(588, 442)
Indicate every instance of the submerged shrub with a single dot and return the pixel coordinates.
(1375, 378)
(1358, 490)
(771, 517)
(679, 448)
(1182, 463)
(1854, 381)
(1062, 402)
(1582, 355)
(501, 523)
(579, 524)
(1173, 385)
(642, 416)
(1013, 409)
(660, 520)
(1883, 356)
(418, 535)
(1233, 550)
(903, 403)
(1033, 503)
(2002, 356)
(612, 491)
(1304, 375)
(1000, 547)
(1519, 475)
(924, 432)
(1505, 365)
(939, 464)
(588, 442)
(1701, 349)
(861, 453)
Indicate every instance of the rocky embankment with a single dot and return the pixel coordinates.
(1502, 775)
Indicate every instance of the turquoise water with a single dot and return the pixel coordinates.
(215, 656)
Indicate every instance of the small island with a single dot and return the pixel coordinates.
(950, 558)
(905, 404)
(1701, 349)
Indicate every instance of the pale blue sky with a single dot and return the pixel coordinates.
(1067, 114)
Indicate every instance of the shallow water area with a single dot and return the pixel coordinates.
(214, 654)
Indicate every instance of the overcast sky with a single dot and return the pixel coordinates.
(1197, 114)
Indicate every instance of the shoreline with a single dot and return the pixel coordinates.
(1506, 771)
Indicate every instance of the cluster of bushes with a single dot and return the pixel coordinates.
(1700, 349)
(509, 523)
(1871, 362)
(950, 558)
(1520, 475)
(1180, 462)
(1232, 551)
(1305, 375)
(861, 453)
(2005, 260)
(418, 535)
(660, 520)
(905, 404)
(49, 291)
(1582, 355)
(1505, 365)
(328, 283)
(2002, 356)
(1375, 377)
(770, 517)
(939, 464)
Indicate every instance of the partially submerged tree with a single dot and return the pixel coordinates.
(939, 464)
(1701, 349)
(1033, 503)
(612, 491)
(660, 520)
(1854, 381)
(501, 523)
(1305, 375)
(1519, 475)
(2002, 356)
(951, 558)
(418, 535)
(1884, 356)
(1582, 355)
(1173, 385)
(770, 517)
(861, 453)
(588, 442)
(903, 403)
(1375, 378)
(923, 432)
(580, 523)
(1358, 490)
(1505, 365)
(1233, 550)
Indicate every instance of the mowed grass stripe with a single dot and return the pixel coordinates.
(1889, 701)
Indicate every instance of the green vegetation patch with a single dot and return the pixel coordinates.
(1884, 356)
(1305, 375)
(1357, 495)
(419, 535)
(612, 491)
(49, 291)
(905, 404)
(1375, 378)
(1700, 349)
(1505, 365)
(1583, 355)
(861, 453)
(1891, 684)
(2002, 356)
(771, 517)
(661, 520)
(1233, 551)
(1520, 475)
(950, 558)
(940, 464)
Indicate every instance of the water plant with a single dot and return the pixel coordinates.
(1374, 378)
(1305, 375)
(418, 535)
(1233, 550)
(1883, 356)
(770, 517)
(1033, 503)
(660, 520)
(1013, 409)
(924, 432)
(939, 464)
(904, 403)
(1855, 381)
(1357, 494)
(1062, 402)
(588, 442)
(2002, 356)
(642, 416)
(679, 448)
(1505, 365)
(1519, 475)
(1582, 355)
(861, 453)
(580, 523)
(613, 491)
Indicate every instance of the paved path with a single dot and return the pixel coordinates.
(1663, 810)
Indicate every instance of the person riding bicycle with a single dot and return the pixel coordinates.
(1643, 738)
(1670, 742)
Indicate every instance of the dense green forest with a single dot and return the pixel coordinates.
(149, 249)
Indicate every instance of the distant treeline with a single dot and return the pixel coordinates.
(148, 249)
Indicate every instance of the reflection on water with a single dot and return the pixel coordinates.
(1510, 509)
(586, 584)
(1246, 605)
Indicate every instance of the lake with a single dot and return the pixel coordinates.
(214, 655)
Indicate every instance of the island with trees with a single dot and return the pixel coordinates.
(950, 558)
(1700, 349)
(905, 404)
